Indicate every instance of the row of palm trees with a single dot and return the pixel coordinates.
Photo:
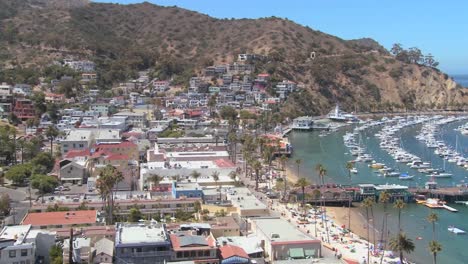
(399, 243)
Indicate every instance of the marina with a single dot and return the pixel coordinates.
(383, 164)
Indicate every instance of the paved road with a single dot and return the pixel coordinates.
(19, 204)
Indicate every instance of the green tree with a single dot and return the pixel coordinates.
(43, 162)
(298, 164)
(433, 218)
(215, 176)
(399, 204)
(349, 167)
(155, 179)
(303, 183)
(228, 113)
(368, 203)
(321, 172)
(257, 166)
(134, 215)
(44, 183)
(434, 247)
(51, 133)
(195, 174)
(19, 173)
(56, 254)
(384, 197)
(109, 177)
(400, 243)
(4, 204)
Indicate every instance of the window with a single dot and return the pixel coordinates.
(186, 254)
(179, 254)
(207, 253)
(24, 252)
(12, 253)
(193, 254)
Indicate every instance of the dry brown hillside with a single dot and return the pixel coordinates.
(125, 38)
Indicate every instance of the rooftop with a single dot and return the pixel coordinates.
(61, 218)
(140, 233)
(17, 232)
(78, 135)
(251, 244)
(279, 230)
(242, 197)
(184, 240)
(232, 251)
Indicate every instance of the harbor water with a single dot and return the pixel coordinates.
(330, 151)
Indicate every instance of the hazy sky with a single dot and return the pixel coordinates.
(437, 27)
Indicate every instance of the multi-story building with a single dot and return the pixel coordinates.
(194, 247)
(283, 241)
(61, 219)
(24, 109)
(76, 140)
(134, 119)
(22, 89)
(142, 243)
(6, 99)
(21, 244)
(160, 86)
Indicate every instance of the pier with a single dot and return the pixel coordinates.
(449, 194)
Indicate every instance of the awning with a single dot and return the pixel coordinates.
(296, 253)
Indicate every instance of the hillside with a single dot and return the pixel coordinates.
(126, 38)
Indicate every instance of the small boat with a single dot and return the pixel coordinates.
(405, 176)
(354, 170)
(392, 174)
(456, 231)
(376, 165)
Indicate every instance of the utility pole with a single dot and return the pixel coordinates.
(70, 251)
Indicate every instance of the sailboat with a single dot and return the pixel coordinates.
(405, 176)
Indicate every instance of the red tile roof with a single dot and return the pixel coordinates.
(231, 251)
(124, 144)
(61, 218)
(224, 163)
(77, 153)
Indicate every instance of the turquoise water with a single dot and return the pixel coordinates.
(331, 152)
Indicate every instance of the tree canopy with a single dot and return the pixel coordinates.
(44, 183)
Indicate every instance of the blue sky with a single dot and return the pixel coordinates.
(437, 27)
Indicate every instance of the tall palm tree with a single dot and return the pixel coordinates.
(368, 203)
(257, 166)
(298, 164)
(399, 204)
(401, 243)
(349, 167)
(282, 161)
(195, 174)
(433, 218)
(384, 197)
(303, 183)
(322, 171)
(51, 133)
(434, 247)
(155, 179)
(109, 177)
(215, 176)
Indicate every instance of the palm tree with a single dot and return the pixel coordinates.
(108, 179)
(368, 203)
(433, 218)
(257, 166)
(233, 176)
(215, 176)
(155, 179)
(51, 134)
(302, 183)
(384, 197)
(434, 247)
(298, 164)
(321, 172)
(401, 243)
(195, 174)
(349, 167)
(399, 204)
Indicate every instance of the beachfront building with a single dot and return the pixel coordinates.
(303, 123)
(142, 243)
(246, 204)
(283, 240)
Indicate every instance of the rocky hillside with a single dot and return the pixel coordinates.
(126, 38)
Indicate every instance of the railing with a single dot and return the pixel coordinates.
(144, 254)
